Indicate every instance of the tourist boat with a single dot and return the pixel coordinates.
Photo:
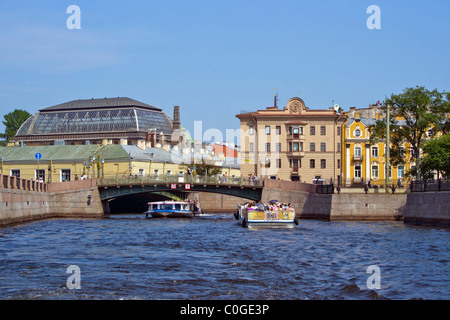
(173, 209)
(274, 214)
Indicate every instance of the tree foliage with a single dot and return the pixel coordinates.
(202, 168)
(436, 157)
(412, 114)
(13, 121)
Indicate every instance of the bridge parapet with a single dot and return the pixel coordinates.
(189, 179)
(123, 186)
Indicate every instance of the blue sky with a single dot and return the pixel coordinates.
(215, 58)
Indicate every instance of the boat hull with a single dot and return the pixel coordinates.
(256, 224)
(172, 209)
(169, 214)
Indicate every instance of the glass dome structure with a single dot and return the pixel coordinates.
(93, 119)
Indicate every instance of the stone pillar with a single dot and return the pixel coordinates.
(347, 164)
(13, 182)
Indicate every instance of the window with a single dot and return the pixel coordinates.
(267, 129)
(15, 173)
(141, 172)
(156, 173)
(65, 174)
(357, 171)
(401, 172)
(278, 163)
(252, 130)
(357, 133)
(295, 164)
(338, 131)
(338, 147)
(357, 151)
(251, 147)
(390, 171)
(40, 175)
(323, 146)
(323, 130)
(278, 130)
(169, 173)
(374, 152)
(338, 163)
(323, 163)
(278, 146)
(296, 132)
(296, 146)
(267, 146)
(312, 130)
(312, 146)
(375, 171)
(312, 163)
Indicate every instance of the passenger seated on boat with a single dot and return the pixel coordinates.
(260, 206)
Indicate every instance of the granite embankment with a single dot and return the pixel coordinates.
(427, 208)
(25, 200)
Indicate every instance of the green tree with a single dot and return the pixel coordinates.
(436, 157)
(202, 168)
(412, 114)
(13, 121)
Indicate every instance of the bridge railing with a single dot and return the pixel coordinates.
(197, 179)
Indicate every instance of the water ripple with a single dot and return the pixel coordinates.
(212, 257)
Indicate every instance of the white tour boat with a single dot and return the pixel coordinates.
(172, 209)
(274, 214)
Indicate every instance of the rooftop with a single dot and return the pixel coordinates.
(100, 103)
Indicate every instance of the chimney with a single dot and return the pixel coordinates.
(275, 101)
(176, 118)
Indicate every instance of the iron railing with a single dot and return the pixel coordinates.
(325, 189)
(430, 185)
(197, 179)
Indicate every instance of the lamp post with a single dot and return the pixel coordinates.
(388, 142)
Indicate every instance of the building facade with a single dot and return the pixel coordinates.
(292, 143)
(73, 162)
(365, 162)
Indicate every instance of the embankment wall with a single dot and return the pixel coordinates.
(62, 200)
(428, 208)
(216, 202)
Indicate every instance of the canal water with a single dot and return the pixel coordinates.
(212, 257)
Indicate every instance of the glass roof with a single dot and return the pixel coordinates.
(88, 121)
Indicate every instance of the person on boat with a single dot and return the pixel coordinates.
(260, 206)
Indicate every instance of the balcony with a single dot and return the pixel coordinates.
(357, 157)
(296, 137)
(295, 153)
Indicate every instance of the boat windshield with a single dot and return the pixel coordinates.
(177, 206)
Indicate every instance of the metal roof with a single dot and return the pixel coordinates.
(62, 153)
(100, 103)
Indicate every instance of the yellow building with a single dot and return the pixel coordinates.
(364, 162)
(72, 162)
